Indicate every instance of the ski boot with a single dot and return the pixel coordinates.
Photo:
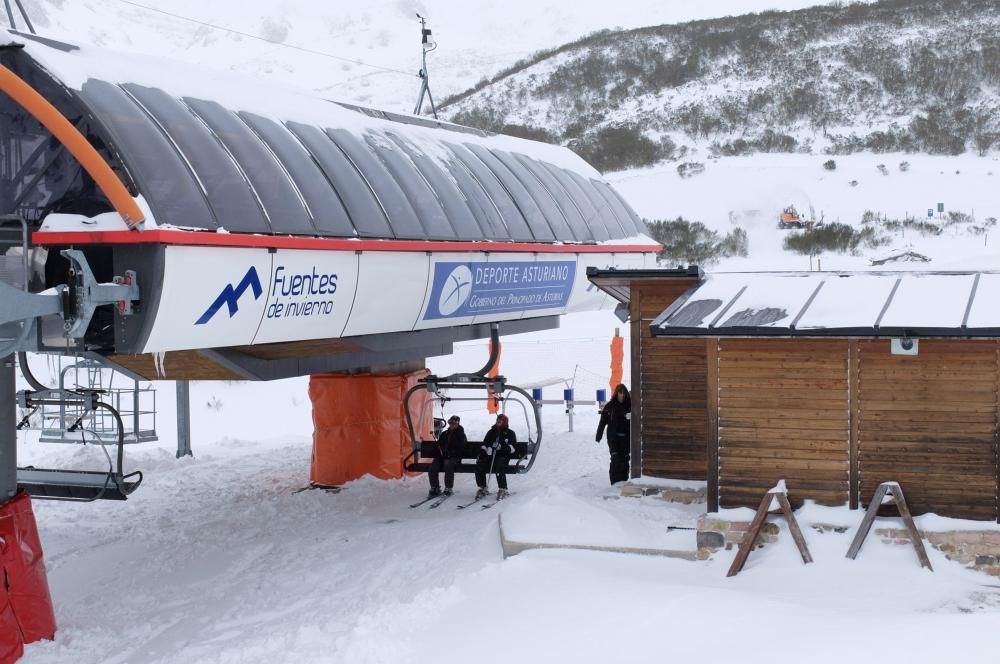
(482, 493)
(434, 492)
(502, 493)
(448, 492)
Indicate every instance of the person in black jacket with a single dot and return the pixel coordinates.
(495, 453)
(451, 446)
(616, 418)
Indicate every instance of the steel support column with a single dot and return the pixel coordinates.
(8, 429)
(184, 419)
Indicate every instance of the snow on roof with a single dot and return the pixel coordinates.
(831, 304)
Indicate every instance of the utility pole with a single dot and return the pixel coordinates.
(427, 45)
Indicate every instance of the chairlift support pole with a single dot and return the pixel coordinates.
(184, 419)
(8, 429)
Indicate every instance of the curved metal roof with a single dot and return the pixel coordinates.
(209, 152)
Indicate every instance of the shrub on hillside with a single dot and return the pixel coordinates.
(618, 148)
(830, 165)
(835, 237)
(692, 243)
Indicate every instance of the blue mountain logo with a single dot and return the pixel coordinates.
(230, 296)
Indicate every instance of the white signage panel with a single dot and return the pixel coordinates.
(310, 295)
(211, 297)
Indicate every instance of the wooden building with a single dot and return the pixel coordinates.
(834, 382)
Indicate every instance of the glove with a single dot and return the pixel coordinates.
(628, 416)
(510, 449)
(488, 450)
(597, 439)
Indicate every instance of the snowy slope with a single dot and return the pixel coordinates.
(750, 192)
(473, 43)
(217, 559)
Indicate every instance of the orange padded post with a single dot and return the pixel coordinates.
(492, 405)
(77, 144)
(617, 360)
(359, 425)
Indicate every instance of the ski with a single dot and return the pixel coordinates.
(425, 500)
(437, 503)
(470, 504)
(494, 503)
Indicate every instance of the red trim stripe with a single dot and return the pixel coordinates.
(193, 238)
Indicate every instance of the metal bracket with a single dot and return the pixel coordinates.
(85, 294)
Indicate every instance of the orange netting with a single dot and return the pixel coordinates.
(617, 361)
(360, 426)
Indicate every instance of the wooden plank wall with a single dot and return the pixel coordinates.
(674, 426)
(668, 389)
(783, 414)
(929, 421)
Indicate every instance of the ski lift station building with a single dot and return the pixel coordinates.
(834, 382)
(273, 233)
(173, 223)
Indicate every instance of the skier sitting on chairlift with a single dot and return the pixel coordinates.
(451, 446)
(495, 453)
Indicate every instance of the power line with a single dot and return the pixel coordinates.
(265, 39)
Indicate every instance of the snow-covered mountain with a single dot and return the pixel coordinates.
(476, 39)
(897, 75)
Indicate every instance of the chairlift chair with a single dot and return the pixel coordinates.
(509, 397)
(75, 485)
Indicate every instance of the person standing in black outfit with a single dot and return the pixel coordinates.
(496, 451)
(451, 446)
(616, 418)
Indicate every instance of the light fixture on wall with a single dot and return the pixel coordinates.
(905, 346)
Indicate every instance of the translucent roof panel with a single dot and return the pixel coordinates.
(929, 300)
(402, 217)
(232, 201)
(492, 187)
(591, 215)
(837, 304)
(322, 203)
(540, 193)
(705, 304)
(561, 197)
(847, 301)
(162, 176)
(464, 223)
(769, 301)
(282, 202)
(363, 207)
(622, 213)
(539, 227)
(606, 214)
(421, 197)
(476, 198)
(510, 214)
(985, 309)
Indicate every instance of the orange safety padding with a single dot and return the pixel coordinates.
(27, 582)
(359, 425)
(617, 362)
(11, 641)
(492, 405)
(75, 142)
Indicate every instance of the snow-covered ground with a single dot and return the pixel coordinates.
(219, 559)
(751, 191)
